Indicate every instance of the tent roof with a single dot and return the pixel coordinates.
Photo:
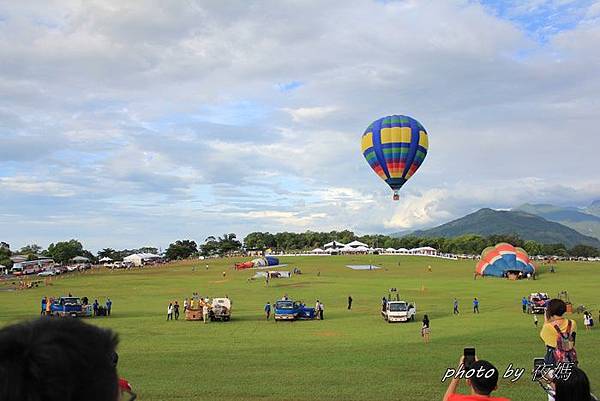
(317, 250)
(105, 259)
(357, 243)
(334, 244)
(142, 256)
(390, 250)
(80, 259)
(424, 248)
(361, 248)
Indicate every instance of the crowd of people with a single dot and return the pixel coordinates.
(558, 374)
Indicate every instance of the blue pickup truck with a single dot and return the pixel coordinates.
(293, 310)
(69, 307)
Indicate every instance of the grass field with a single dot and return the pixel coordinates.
(351, 355)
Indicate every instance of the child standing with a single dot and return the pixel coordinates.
(170, 312)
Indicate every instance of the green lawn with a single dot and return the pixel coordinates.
(351, 355)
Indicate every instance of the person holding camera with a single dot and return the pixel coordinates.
(482, 384)
(558, 334)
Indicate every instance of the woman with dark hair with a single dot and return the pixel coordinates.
(556, 325)
(425, 330)
(576, 387)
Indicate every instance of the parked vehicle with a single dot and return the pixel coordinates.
(293, 310)
(68, 307)
(221, 309)
(47, 273)
(399, 311)
(537, 302)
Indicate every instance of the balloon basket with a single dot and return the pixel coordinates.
(396, 197)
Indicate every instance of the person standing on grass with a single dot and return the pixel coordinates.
(524, 303)
(108, 306)
(349, 302)
(176, 310)
(535, 320)
(555, 323)
(205, 312)
(586, 321)
(44, 301)
(475, 305)
(268, 310)
(425, 330)
(455, 311)
(95, 306)
(170, 312)
(321, 308)
(185, 305)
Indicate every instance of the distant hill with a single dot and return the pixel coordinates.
(577, 219)
(528, 226)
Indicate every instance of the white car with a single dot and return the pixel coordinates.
(46, 273)
(399, 311)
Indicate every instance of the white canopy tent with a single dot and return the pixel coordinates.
(138, 259)
(356, 244)
(424, 250)
(80, 259)
(105, 259)
(334, 245)
(390, 250)
(402, 250)
(317, 250)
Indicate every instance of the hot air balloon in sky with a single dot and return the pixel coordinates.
(395, 147)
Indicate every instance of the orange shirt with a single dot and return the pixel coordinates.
(463, 397)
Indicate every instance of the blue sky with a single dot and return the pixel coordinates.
(139, 125)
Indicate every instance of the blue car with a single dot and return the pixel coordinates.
(68, 307)
(293, 310)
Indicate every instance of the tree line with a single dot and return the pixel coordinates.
(228, 244)
(465, 244)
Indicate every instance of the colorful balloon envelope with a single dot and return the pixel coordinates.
(502, 259)
(395, 147)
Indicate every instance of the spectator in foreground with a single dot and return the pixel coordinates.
(35, 355)
(349, 302)
(108, 306)
(481, 387)
(555, 323)
(268, 310)
(524, 303)
(576, 387)
(455, 304)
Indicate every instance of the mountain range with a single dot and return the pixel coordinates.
(526, 225)
(586, 220)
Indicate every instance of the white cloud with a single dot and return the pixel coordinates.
(310, 113)
(162, 114)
